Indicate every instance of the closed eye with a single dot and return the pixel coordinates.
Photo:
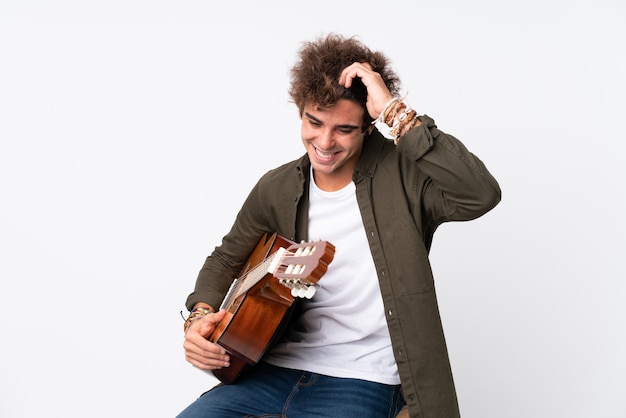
(313, 121)
(342, 129)
(346, 129)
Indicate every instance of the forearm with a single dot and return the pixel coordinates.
(459, 179)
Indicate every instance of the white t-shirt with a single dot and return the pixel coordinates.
(342, 331)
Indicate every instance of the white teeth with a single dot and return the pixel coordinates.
(324, 154)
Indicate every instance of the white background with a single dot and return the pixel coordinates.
(131, 131)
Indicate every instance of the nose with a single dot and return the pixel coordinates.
(325, 139)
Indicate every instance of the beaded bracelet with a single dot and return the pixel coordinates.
(388, 107)
(195, 314)
(400, 118)
(403, 122)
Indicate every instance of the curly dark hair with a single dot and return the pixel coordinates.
(314, 78)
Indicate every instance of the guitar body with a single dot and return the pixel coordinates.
(256, 318)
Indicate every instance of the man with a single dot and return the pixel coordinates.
(370, 341)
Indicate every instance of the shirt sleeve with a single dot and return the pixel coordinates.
(460, 187)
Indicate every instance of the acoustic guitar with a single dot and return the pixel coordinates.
(261, 299)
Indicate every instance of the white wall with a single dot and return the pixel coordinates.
(132, 130)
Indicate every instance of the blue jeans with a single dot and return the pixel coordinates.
(274, 392)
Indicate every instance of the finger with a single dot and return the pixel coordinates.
(203, 353)
(356, 69)
(207, 363)
(196, 343)
(196, 337)
(348, 74)
(214, 318)
(212, 355)
(207, 323)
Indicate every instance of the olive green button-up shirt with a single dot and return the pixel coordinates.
(404, 193)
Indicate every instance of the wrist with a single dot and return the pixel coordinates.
(197, 312)
(400, 118)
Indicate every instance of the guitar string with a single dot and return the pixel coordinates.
(257, 273)
(249, 279)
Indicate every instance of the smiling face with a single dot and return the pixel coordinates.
(333, 139)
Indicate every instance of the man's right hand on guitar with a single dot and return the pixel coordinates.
(201, 352)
